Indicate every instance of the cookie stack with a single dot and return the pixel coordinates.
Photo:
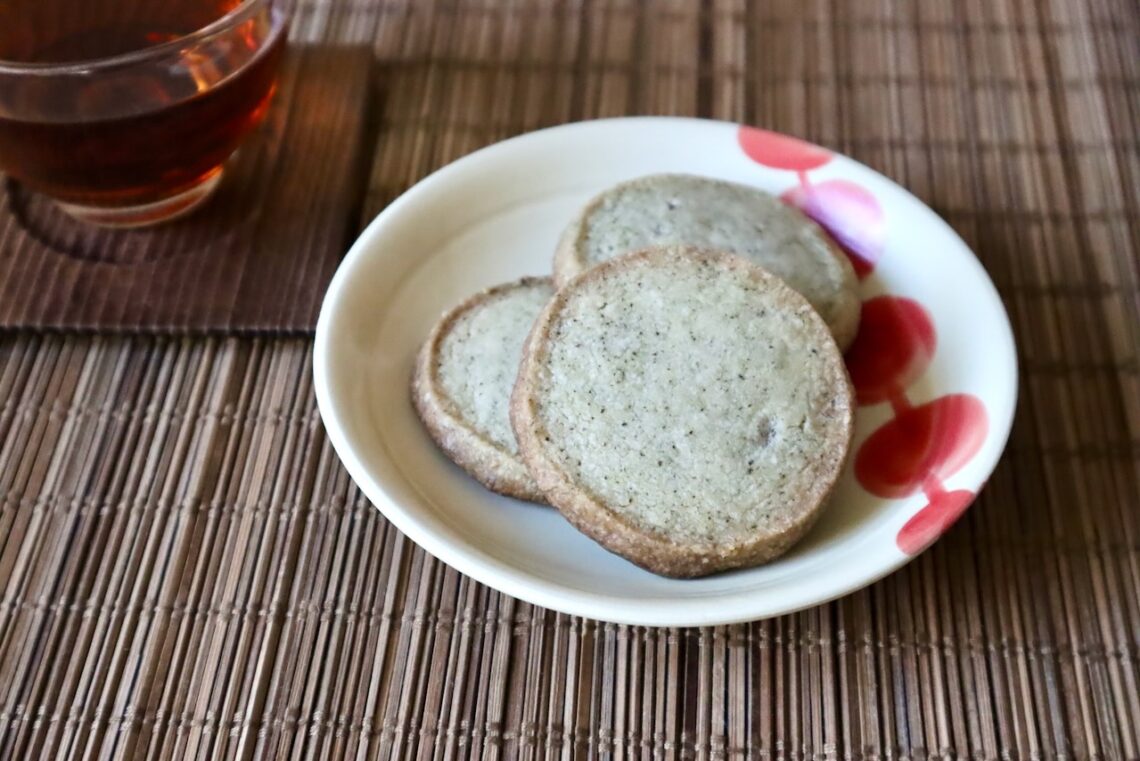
(676, 390)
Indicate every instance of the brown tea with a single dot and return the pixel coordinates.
(130, 133)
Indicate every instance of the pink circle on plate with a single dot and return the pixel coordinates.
(921, 445)
(932, 521)
(892, 349)
(780, 151)
(850, 214)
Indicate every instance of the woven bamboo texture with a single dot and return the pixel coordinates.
(186, 572)
(256, 258)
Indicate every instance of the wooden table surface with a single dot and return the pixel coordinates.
(186, 571)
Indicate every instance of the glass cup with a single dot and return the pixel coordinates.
(125, 111)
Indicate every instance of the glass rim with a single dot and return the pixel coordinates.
(220, 24)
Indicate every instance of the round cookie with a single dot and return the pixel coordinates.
(679, 209)
(463, 378)
(686, 409)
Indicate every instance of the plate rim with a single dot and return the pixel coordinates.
(718, 608)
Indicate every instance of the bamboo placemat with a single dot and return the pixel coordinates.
(187, 572)
(256, 258)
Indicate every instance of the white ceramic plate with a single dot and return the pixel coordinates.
(936, 349)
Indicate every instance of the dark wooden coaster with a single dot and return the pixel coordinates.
(256, 258)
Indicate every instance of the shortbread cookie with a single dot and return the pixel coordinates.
(678, 209)
(463, 379)
(686, 409)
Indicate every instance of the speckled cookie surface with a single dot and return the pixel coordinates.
(676, 209)
(463, 378)
(687, 410)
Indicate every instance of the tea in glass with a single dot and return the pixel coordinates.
(125, 111)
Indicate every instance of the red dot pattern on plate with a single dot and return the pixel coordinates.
(893, 348)
(920, 446)
(849, 213)
(932, 521)
(780, 151)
